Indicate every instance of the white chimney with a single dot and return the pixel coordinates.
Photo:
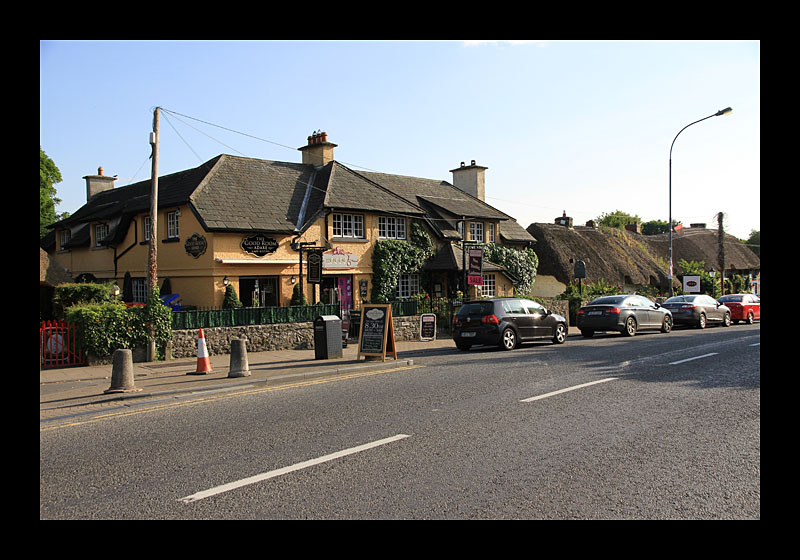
(470, 179)
(95, 184)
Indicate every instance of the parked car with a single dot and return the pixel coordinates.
(627, 314)
(698, 310)
(744, 307)
(506, 322)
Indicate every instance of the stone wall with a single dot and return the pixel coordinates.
(260, 338)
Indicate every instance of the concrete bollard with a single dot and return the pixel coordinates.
(239, 365)
(122, 372)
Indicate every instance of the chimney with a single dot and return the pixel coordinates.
(318, 151)
(470, 179)
(95, 184)
(564, 220)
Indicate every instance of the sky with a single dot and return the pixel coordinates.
(582, 127)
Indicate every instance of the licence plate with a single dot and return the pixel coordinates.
(595, 313)
(467, 334)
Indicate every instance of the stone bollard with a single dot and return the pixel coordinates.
(122, 372)
(239, 364)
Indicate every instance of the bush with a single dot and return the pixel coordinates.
(108, 326)
(231, 300)
(68, 295)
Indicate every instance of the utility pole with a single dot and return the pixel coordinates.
(721, 240)
(152, 265)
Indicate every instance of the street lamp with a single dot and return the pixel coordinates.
(669, 224)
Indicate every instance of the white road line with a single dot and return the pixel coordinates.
(568, 389)
(690, 359)
(285, 470)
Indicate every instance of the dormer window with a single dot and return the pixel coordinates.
(63, 238)
(100, 233)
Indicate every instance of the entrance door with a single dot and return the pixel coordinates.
(261, 291)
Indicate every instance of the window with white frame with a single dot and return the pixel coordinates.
(489, 288)
(139, 290)
(476, 231)
(147, 228)
(100, 233)
(348, 225)
(172, 225)
(408, 285)
(490, 233)
(390, 227)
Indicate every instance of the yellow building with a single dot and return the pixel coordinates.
(254, 223)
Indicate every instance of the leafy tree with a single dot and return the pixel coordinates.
(617, 219)
(754, 242)
(49, 175)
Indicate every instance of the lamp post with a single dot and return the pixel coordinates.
(669, 224)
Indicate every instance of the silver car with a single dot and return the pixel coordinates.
(698, 310)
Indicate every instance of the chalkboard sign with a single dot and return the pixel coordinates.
(376, 333)
(427, 327)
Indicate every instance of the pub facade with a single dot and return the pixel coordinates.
(267, 227)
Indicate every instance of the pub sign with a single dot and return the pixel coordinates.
(259, 245)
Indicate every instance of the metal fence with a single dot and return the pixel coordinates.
(60, 345)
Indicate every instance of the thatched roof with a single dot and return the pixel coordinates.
(50, 273)
(616, 256)
(701, 244)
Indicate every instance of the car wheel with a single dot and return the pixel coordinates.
(701, 324)
(509, 340)
(749, 318)
(560, 335)
(726, 321)
(587, 333)
(667, 325)
(630, 327)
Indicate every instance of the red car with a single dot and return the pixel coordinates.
(744, 307)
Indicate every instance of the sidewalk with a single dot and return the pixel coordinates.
(61, 389)
(69, 390)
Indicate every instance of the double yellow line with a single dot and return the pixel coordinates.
(200, 398)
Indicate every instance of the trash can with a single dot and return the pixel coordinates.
(327, 337)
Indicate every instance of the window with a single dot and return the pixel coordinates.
(147, 228)
(139, 288)
(408, 285)
(513, 307)
(100, 233)
(64, 236)
(172, 225)
(490, 233)
(391, 228)
(348, 225)
(489, 288)
(533, 307)
(476, 231)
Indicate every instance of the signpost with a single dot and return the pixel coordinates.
(376, 333)
(475, 270)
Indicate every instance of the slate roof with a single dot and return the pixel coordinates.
(232, 193)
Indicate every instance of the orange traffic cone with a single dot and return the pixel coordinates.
(203, 363)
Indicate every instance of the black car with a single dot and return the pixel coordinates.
(627, 314)
(506, 322)
(698, 310)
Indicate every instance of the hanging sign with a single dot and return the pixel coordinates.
(376, 333)
(196, 245)
(475, 268)
(314, 259)
(691, 284)
(259, 245)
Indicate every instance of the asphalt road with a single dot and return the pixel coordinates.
(659, 426)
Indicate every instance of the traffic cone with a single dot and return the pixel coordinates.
(203, 362)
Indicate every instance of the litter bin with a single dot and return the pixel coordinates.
(327, 337)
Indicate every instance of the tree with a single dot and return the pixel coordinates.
(49, 175)
(754, 242)
(617, 219)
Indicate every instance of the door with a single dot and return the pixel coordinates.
(539, 318)
(517, 314)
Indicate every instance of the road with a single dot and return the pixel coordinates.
(659, 426)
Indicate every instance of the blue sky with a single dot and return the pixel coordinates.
(578, 126)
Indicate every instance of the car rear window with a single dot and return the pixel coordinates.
(730, 298)
(476, 308)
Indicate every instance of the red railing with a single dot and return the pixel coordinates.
(60, 345)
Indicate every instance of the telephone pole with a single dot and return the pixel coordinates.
(152, 265)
